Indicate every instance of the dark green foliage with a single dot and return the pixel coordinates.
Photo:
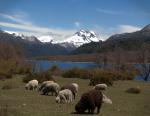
(41, 76)
(134, 90)
(100, 76)
(97, 76)
(77, 73)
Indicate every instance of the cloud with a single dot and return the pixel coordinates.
(110, 12)
(19, 18)
(128, 28)
(29, 28)
(77, 24)
(59, 34)
(105, 33)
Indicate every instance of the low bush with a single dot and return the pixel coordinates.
(55, 70)
(77, 73)
(41, 76)
(134, 90)
(101, 76)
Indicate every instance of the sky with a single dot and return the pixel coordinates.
(62, 18)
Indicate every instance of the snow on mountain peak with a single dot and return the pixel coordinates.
(81, 37)
(45, 39)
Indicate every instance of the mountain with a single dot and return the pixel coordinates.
(31, 45)
(126, 41)
(82, 37)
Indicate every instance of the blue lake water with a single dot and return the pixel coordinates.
(44, 64)
(41, 65)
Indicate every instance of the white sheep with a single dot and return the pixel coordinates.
(51, 87)
(44, 84)
(76, 86)
(100, 86)
(31, 85)
(106, 99)
(64, 96)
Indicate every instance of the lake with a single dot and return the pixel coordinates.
(41, 65)
(44, 64)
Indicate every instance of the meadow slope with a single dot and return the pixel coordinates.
(20, 102)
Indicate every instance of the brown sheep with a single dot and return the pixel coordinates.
(72, 88)
(89, 101)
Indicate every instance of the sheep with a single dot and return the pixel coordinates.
(64, 96)
(100, 86)
(44, 84)
(51, 87)
(106, 99)
(73, 87)
(76, 86)
(89, 101)
(31, 85)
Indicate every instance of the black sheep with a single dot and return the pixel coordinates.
(89, 101)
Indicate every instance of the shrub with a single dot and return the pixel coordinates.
(77, 73)
(41, 76)
(5, 76)
(55, 70)
(134, 90)
(98, 79)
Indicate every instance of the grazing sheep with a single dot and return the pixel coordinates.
(31, 85)
(73, 87)
(51, 87)
(44, 84)
(76, 86)
(106, 99)
(89, 101)
(100, 86)
(64, 96)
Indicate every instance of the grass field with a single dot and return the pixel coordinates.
(20, 102)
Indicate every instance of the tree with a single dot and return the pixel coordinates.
(143, 61)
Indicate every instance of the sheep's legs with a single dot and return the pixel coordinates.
(98, 109)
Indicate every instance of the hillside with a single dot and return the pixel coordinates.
(32, 46)
(126, 41)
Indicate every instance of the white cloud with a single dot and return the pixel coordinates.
(77, 24)
(128, 28)
(30, 29)
(58, 34)
(105, 33)
(19, 18)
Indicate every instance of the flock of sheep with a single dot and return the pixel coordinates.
(88, 101)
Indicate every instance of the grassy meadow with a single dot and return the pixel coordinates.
(17, 101)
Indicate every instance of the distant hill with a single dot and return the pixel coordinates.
(126, 41)
(31, 46)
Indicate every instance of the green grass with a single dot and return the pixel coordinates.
(19, 102)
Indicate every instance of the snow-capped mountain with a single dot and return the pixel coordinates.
(82, 37)
(79, 38)
(46, 39)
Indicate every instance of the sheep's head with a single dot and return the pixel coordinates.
(57, 99)
(80, 108)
